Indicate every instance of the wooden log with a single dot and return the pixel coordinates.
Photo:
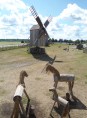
(62, 101)
(18, 105)
(58, 99)
(17, 99)
(19, 92)
(67, 77)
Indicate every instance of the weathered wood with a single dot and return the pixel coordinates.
(60, 101)
(23, 74)
(18, 109)
(62, 78)
(15, 112)
(57, 98)
(19, 92)
(67, 77)
(23, 110)
(18, 105)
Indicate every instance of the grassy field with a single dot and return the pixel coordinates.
(9, 43)
(12, 62)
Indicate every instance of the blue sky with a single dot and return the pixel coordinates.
(69, 18)
(54, 7)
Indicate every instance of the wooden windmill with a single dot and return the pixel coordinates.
(38, 34)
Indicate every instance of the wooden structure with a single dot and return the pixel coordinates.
(34, 39)
(60, 101)
(23, 74)
(18, 110)
(70, 79)
(61, 78)
(38, 34)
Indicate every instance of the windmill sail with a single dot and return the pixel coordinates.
(39, 22)
(34, 13)
(43, 32)
(48, 21)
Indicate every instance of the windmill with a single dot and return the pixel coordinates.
(38, 34)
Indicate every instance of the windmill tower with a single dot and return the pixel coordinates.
(38, 34)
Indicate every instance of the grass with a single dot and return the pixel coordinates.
(86, 76)
(38, 78)
(2, 92)
(86, 82)
(2, 80)
(74, 61)
(16, 53)
(24, 100)
(13, 45)
(9, 43)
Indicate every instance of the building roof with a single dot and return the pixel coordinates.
(35, 27)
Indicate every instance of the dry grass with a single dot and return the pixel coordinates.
(38, 83)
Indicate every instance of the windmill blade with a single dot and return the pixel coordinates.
(43, 32)
(34, 13)
(48, 21)
(39, 22)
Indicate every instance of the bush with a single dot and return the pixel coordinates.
(22, 41)
(80, 46)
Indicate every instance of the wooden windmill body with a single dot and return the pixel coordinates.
(38, 34)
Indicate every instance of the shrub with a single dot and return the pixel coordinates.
(80, 46)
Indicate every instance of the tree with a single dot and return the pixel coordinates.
(61, 40)
(77, 42)
(22, 41)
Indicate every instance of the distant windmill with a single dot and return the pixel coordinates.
(38, 34)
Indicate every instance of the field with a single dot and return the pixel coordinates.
(9, 43)
(12, 62)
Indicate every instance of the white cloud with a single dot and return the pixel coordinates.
(12, 5)
(72, 23)
(16, 21)
(14, 17)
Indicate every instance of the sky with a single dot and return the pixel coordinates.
(69, 18)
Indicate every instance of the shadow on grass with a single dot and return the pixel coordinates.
(38, 112)
(45, 57)
(77, 104)
(6, 109)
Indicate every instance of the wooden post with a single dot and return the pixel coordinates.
(17, 99)
(18, 105)
(60, 101)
